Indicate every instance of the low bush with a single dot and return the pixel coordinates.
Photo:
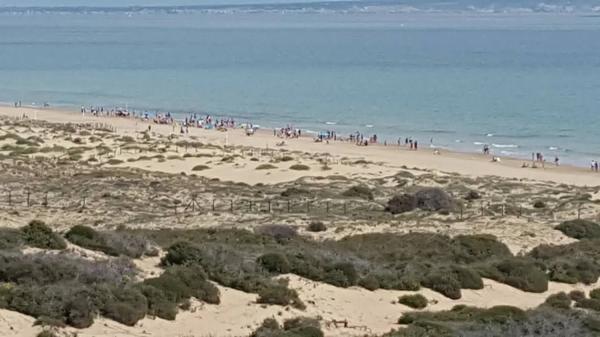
(520, 273)
(577, 295)
(182, 252)
(539, 204)
(316, 226)
(559, 301)
(126, 306)
(278, 232)
(11, 238)
(274, 263)
(266, 167)
(401, 204)
(359, 191)
(114, 161)
(294, 327)
(444, 283)
(37, 234)
(200, 167)
(580, 229)
(300, 167)
(110, 243)
(434, 199)
(278, 293)
(571, 263)
(472, 195)
(416, 301)
(295, 192)
(369, 282)
(595, 294)
(176, 286)
(588, 303)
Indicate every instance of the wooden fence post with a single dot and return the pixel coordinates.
(231, 204)
(327, 207)
(213, 205)
(307, 206)
(28, 198)
(269, 205)
(288, 206)
(46, 199)
(345, 208)
(10, 198)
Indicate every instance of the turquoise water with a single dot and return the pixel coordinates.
(519, 83)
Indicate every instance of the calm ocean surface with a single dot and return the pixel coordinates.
(519, 83)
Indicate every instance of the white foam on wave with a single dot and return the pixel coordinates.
(369, 126)
(331, 123)
(553, 148)
(501, 146)
(458, 141)
(490, 135)
(478, 143)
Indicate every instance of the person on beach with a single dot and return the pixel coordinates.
(556, 160)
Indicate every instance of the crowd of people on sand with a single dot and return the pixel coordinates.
(287, 132)
(210, 122)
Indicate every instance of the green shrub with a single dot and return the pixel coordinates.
(278, 293)
(286, 158)
(539, 204)
(10, 238)
(416, 301)
(588, 303)
(110, 243)
(299, 167)
(266, 167)
(595, 294)
(474, 248)
(37, 234)
(295, 192)
(401, 204)
(577, 295)
(47, 333)
(200, 167)
(580, 229)
(517, 272)
(159, 303)
(274, 263)
(281, 233)
(559, 301)
(359, 191)
(181, 253)
(369, 282)
(126, 306)
(114, 161)
(467, 277)
(444, 283)
(570, 263)
(341, 275)
(316, 226)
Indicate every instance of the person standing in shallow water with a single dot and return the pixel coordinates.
(416, 145)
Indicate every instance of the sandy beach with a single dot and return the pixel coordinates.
(391, 157)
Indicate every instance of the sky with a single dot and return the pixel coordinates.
(48, 3)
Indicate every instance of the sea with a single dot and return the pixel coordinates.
(519, 82)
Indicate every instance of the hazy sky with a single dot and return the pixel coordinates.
(132, 2)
